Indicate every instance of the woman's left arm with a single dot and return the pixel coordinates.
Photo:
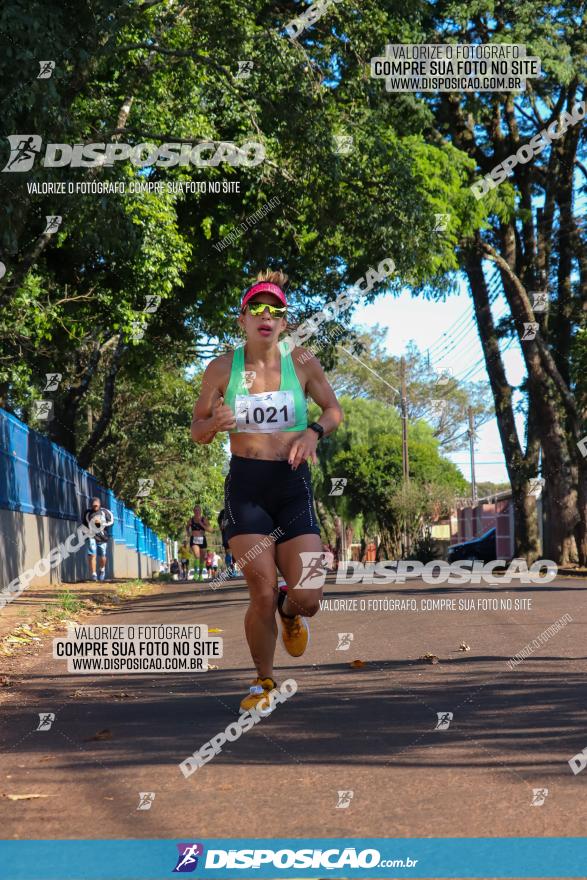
(320, 390)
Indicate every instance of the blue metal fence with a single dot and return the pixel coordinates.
(38, 476)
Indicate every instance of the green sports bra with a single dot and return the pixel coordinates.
(270, 411)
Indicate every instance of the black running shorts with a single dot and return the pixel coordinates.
(261, 496)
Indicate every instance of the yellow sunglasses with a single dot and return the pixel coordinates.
(258, 308)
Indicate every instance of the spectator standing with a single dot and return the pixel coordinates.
(100, 519)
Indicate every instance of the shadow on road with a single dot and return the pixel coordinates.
(377, 715)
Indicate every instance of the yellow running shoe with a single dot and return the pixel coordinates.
(295, 631)
(258, 691)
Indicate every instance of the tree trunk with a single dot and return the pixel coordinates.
(581, 527)
(326, 522)
(62, 427)
(348, 535)
(521, 467)
(88, 451)
(555, 409)
(527, 534)
(338, 538)
(560, 505)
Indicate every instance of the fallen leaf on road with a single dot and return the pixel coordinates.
(357, 664)
(429, 658)
(24, 797)
(102, 734)
(464, 647)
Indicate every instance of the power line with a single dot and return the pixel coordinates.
(452, 329)
(475, 367)
(450, 346)
(474, 342)
(494, 285)
(465, 463)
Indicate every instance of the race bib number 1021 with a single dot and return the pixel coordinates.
(265, 413)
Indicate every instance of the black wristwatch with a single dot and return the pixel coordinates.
(318, 429)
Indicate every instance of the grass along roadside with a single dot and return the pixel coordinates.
(69, 607)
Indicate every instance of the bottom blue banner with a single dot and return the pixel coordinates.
(292, 857)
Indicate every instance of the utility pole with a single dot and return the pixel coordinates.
(405, 452)
(90, 419)
(404, 410)
(471, 433)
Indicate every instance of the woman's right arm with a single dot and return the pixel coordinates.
(210, 413)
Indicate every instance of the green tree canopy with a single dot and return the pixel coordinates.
(375, 483)
(366, 451)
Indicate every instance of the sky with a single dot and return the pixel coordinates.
(448, 330)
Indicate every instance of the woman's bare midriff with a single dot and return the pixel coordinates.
(272, 447)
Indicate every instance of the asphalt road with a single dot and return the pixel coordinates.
(368, 730)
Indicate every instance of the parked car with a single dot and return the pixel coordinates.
(483, 548)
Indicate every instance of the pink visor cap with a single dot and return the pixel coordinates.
(264, 287)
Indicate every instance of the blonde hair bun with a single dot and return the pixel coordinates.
(273, 277)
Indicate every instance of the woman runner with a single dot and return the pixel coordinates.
(196, 528)
(259, 396)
